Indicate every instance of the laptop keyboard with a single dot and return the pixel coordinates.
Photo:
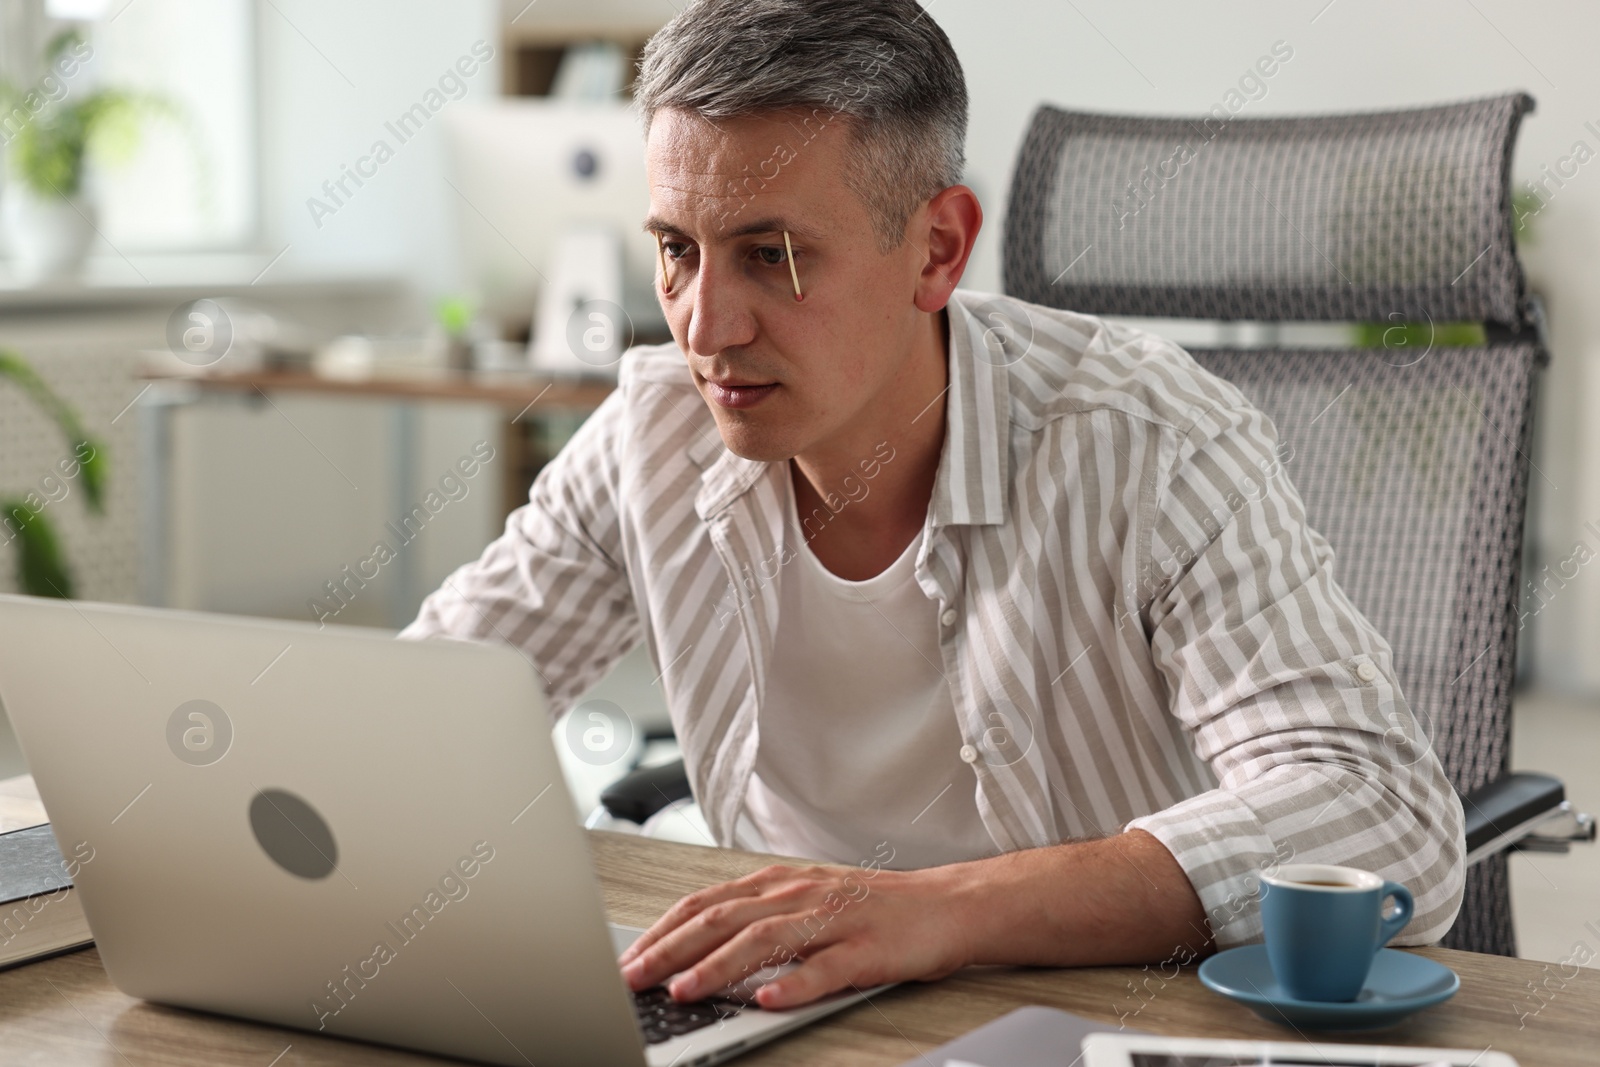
(662, 1018)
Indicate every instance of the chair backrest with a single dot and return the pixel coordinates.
(1342, 217)
(1412, 457)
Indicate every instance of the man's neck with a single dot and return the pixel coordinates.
(863, 499)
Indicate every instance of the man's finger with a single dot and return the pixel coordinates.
(747, 959)
(698, 936)
(833, 968)
(684, 910)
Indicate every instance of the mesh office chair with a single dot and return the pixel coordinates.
(1412, 457)
(1413, 463)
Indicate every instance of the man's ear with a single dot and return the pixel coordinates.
(950, 224)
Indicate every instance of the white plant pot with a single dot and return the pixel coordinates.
(49, 237)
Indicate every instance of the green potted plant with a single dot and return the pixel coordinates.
(49, 216)
(41, 567)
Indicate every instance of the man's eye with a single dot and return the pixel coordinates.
(771, 255)
(675, 249)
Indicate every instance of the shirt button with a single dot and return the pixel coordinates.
(969, 754)
(949, 619)
(1366, 671)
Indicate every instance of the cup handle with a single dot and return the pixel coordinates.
(1402, 912)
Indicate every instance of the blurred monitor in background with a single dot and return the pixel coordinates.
(553, 195)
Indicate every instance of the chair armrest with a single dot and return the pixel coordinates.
(640, 794)
(1504, 811)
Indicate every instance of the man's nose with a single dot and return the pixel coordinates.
(720, 316)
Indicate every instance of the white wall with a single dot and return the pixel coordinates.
(1170, 56)
(332, 75)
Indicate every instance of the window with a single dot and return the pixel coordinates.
(191, 183)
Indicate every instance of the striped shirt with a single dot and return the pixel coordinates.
(1140, 630)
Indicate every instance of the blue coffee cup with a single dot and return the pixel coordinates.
(1324, 926)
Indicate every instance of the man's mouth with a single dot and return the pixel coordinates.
(738, 394)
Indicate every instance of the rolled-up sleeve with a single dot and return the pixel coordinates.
(553, 584)
(1286, 691)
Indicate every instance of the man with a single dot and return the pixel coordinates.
(1036, 637)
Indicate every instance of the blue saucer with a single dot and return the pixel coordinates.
(1399, 984)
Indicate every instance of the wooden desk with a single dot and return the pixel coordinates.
(64, 1011)
(512, 392)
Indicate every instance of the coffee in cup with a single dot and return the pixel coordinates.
(1324, 926)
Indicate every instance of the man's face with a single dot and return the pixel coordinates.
(782, 376)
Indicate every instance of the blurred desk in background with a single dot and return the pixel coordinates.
(513, 391)
(539, 413)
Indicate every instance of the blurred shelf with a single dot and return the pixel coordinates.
(535, 36)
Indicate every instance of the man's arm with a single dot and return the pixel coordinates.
(1121, 899)
(1286, 691)
(553, 584)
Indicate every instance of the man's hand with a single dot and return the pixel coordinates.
(1120, 899)
(853, 928)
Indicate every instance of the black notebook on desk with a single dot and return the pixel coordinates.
(39, 910)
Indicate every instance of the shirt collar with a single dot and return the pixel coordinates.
(974, 463)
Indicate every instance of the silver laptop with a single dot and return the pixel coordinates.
(335, 831)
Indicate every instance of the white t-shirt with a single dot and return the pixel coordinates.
(859, 743)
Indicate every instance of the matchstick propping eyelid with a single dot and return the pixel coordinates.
(661, 253)
(794, 275)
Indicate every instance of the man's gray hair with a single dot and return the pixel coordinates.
(883, 65)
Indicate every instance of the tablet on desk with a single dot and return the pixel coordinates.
(1144, 1050)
